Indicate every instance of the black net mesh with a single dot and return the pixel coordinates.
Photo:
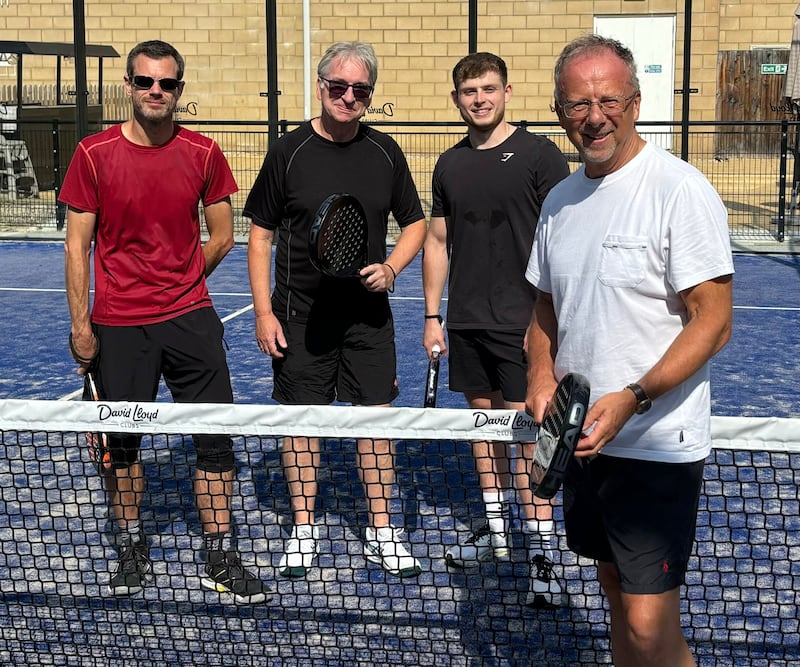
(59, 545)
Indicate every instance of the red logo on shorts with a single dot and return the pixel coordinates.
(665, 566)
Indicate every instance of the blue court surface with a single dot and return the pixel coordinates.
(755, 375)
(56, 536)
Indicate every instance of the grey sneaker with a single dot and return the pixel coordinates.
(133, 568)
(385, 547)
(544, 591)
(481, 546)
(300, 551)
(226, 574)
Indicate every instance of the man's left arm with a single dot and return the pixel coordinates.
(709, 308)
(219, 222)
(381, 277)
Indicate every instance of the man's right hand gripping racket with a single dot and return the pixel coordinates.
(337, 240)
(97, 443)
(432, 377)
(558, 434)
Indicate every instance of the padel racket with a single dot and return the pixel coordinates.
(337, 240)
(558, 434)
(97, 443)
(432, 378)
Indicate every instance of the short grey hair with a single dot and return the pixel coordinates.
(360, 51)
(154, 49)
(593, 44)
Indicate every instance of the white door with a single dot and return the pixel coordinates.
(652, 40)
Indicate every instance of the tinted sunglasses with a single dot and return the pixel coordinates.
(361, 91)
(146, 83)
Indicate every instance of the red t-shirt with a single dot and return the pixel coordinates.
(148, 256)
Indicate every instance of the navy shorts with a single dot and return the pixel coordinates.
(639, 515)
(331, 360)
(188, 352)
(484, 362)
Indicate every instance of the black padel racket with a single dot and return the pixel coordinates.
(432, 378)
(558, 434)
(97, 443)
(337, 241)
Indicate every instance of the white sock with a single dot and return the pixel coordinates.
(496, 511)
(541, 536)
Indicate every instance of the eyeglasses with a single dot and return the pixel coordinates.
(147, 82)
(361, 91)
(610, 106)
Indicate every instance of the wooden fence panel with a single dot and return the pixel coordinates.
(744, 93)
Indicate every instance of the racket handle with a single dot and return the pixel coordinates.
(432, 378)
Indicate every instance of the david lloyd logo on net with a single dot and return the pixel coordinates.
(518, 421)
(128, 415)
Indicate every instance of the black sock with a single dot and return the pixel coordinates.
(216, 542)
(131, 533)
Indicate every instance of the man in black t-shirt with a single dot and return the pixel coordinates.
(333, 338)
(487, 194)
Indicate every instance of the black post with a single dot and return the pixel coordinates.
(782, 175)
(61, 209)
(18, 124)
(473, 26)
(272, 71)
(687, 64)
(81, 92)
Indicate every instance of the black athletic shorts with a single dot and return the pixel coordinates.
(337, 360)
(488, 361)
(189, 353)
(639, 515)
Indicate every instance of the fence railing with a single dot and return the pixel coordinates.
(760, 190)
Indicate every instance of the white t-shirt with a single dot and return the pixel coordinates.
(614, 253)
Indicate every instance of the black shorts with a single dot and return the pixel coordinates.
(337, 360)
(639, 515)
(484, 362)
(188, 352)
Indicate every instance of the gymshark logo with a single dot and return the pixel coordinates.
(506, 157)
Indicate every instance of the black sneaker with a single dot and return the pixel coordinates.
(544, 591)
(226, 574)
(132, 569)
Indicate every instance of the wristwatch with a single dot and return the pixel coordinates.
(643, 402)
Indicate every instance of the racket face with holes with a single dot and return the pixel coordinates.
(558, 434)
(97, 443)
(337, 241)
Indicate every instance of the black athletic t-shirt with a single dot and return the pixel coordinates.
(300, 171)
(491, 201)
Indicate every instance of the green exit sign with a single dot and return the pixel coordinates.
(773, 69)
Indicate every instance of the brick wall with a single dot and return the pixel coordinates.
(418, 43)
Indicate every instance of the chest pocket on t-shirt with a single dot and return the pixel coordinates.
(622, 260)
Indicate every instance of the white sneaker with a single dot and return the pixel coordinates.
(544, 591)
(384, 546)
(300, 551)
(481, 546)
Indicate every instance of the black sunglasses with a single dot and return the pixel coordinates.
(361, 91)
(146, 83)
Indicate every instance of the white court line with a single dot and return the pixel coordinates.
(33, 289)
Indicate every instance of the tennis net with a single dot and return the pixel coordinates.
(58, 543)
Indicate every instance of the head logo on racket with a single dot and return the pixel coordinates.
(338, 238)
(558, 434)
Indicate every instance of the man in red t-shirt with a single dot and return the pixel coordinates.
(135, 188)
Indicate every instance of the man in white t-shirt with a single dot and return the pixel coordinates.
(633, 266)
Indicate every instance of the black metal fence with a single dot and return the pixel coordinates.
(760, 190)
